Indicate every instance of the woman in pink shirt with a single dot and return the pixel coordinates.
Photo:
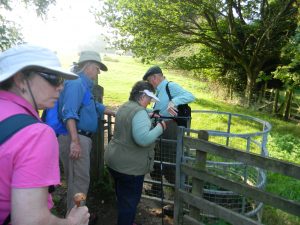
(31, 79)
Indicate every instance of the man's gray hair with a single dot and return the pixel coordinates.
(80, 67)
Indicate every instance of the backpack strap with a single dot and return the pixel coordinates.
(13, 124)
(168, 91)
(9, 127)
(7, 220)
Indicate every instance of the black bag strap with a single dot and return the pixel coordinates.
(168, 91)
(8, 128)
(13, 124)
(7, 220)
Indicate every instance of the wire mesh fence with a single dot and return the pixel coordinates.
(233, 130)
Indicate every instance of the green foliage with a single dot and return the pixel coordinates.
(243, 38)
(40, 6)
(9, 34)
(285, 146)
(220, 222)
(290, 72)
(284, 186)
(283, 141)
(273, 216)
(9, 31)
(103, 188)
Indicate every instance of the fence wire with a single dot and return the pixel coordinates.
(233, 130)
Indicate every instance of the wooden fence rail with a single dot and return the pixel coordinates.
(200, 175)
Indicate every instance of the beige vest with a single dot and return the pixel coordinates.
(122, 153)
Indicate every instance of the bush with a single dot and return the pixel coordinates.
(285, 147)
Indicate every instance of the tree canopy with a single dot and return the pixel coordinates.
(242, 36)
(9, 31)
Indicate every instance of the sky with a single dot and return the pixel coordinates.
(68, 25)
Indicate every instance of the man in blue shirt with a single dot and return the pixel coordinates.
(166, 108)
(80, 112)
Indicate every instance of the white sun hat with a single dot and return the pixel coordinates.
(150, 94)
(28, 56)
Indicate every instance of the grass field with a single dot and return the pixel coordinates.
(283, 140)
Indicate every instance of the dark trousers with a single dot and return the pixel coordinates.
(128, 190)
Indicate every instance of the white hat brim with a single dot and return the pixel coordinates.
(26, 56)
(150, 94)
(66, 74)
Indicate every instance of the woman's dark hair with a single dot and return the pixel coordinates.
(7, 84)
(138, 88)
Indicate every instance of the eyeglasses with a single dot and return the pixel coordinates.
(54, 80)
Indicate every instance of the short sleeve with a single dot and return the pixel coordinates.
(37, 160)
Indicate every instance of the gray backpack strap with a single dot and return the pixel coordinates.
(8, 128)
(13, 124)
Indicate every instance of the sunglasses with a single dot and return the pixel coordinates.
(54, 80)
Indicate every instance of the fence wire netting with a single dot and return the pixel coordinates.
(236, 131)
(232, 130)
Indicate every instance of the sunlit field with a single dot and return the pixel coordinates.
(283, 140)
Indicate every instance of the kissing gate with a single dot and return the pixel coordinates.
(223, 129)
(221, 164)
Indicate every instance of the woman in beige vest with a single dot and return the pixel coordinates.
(130, 153)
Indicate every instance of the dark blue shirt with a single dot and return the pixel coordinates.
(77, 102)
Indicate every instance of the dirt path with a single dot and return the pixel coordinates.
(148, 214)
(104, 206)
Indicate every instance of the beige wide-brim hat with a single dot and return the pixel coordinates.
(28, 56)
(86, 56)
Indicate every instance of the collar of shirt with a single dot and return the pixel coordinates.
(18, 100)
(86, 80)
(163, 99)
(162, 85)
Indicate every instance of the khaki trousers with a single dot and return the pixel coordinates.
(77, 172)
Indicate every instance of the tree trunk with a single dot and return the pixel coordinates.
(265, 89)
(249, 90)
(287, 105)
(275, 103)
(230, 88)
(260, 96)
(252, 74)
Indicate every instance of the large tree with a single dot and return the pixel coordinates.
(244, 34)
(9, 31)
(289, 72)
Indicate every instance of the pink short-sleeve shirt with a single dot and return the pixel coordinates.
(30, 158)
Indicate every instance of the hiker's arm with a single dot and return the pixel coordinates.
(142, 132)
(30, 207)
(101, 109)
(180, 95)
(75, 149)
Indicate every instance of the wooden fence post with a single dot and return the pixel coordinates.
(96, 160)
(178, 204)
(197, 185)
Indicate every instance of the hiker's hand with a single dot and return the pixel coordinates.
(78, 216)
(172, 108)
(153, 115)
(75, 150)
(162, 124)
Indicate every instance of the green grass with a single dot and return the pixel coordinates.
(283, 141)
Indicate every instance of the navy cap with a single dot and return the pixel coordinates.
(152, 70)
